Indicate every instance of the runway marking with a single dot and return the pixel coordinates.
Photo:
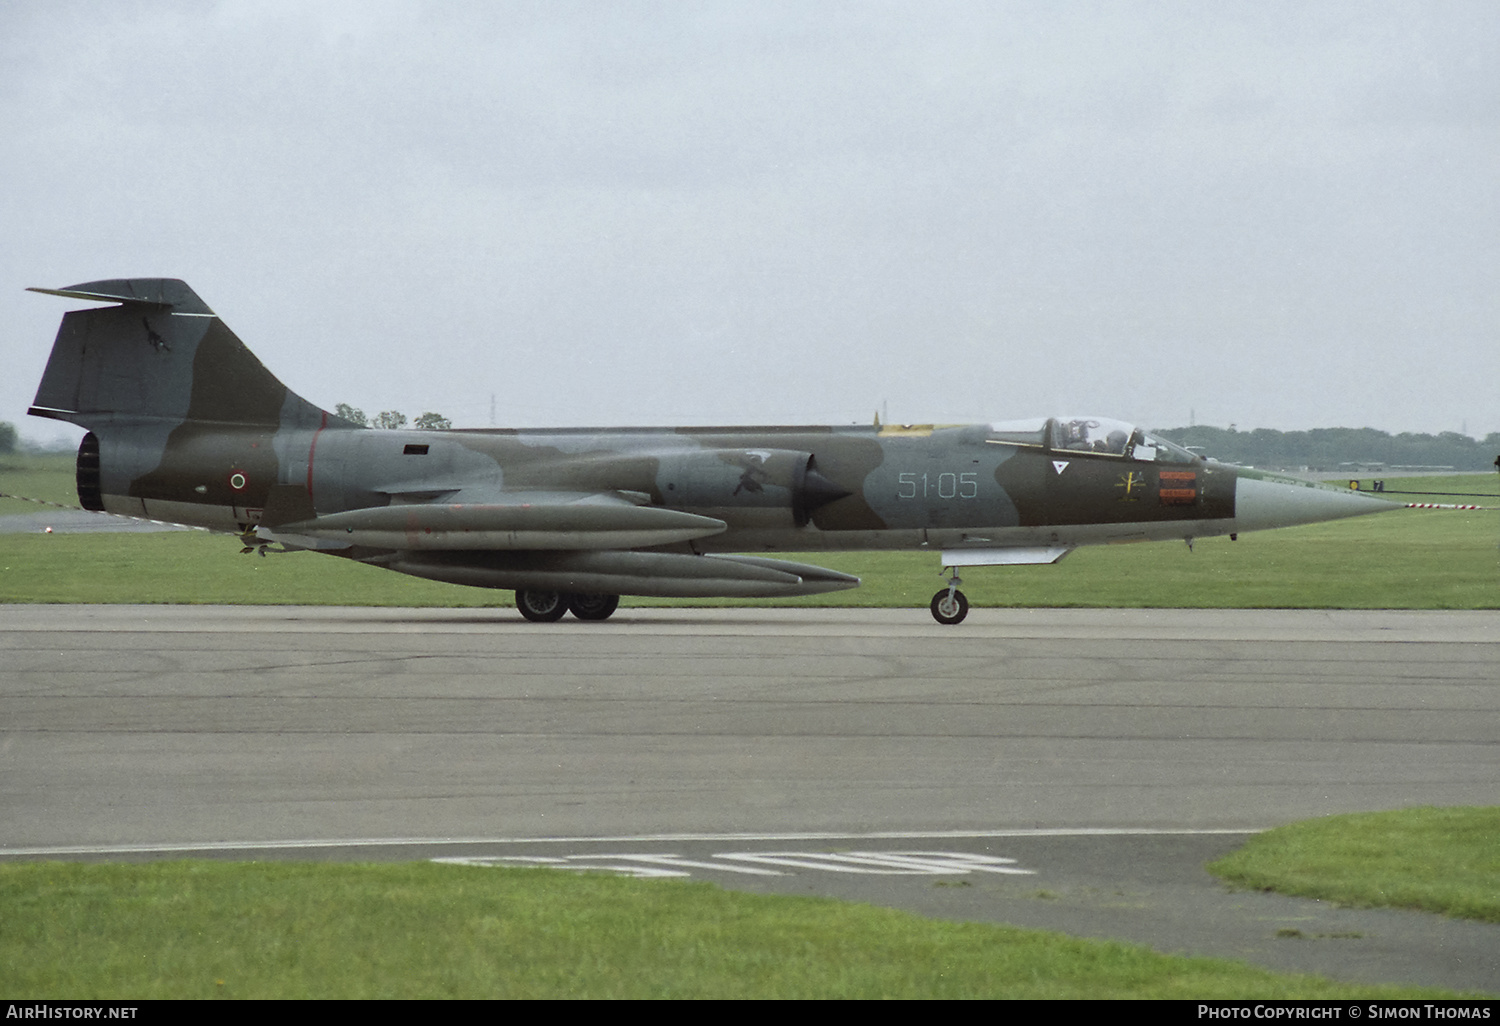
(639, 866)
(900, 863)
(653, 866)
(440, 842)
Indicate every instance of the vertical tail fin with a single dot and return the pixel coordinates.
(161, 354)
(184, 423)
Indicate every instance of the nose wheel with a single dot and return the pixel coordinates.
(950, 605)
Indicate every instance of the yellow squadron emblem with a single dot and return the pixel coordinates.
(1130, 483)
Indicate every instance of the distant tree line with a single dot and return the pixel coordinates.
(391, 419)
(1331, 449)
(7, 437)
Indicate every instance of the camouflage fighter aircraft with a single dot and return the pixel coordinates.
(186, 425)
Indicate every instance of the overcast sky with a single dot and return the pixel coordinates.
(1268, 214)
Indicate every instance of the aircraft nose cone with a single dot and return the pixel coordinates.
(1261, 503)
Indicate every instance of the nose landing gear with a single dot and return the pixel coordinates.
(950, 605)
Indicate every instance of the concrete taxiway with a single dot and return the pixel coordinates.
(173, 726)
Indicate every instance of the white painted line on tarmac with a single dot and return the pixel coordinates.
(412, 842)
(871, 863)
(932, 863)
(960, 861)
(633, 865)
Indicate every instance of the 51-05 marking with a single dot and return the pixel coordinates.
(947, 485)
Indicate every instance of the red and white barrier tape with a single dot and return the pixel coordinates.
(1443, 505)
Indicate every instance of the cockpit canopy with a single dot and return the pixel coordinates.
(1098, 435)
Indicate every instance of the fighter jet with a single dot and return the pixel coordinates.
(185, 425)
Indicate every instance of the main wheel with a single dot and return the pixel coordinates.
(541, 606)
(949, 610)
(587, 606)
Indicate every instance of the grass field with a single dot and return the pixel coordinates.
(1381, 859)
(37, 477)
(1404, 559)
(418, 930)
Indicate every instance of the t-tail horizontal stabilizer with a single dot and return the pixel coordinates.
(164, 293)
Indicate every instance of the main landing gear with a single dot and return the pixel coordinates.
(950, 605)
(549, 606)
